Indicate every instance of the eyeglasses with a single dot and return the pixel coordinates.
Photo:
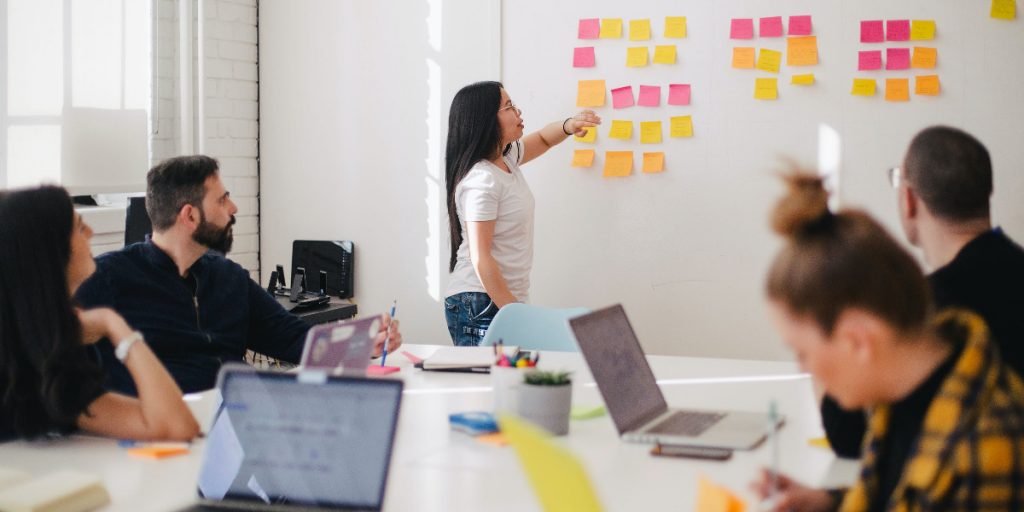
(895, 176)
(511, 106)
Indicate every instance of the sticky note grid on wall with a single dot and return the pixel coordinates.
(903, 51)
(799, 46)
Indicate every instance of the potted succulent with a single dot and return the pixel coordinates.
(545, 398)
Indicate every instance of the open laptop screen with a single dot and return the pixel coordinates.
(280, 440)
(617, 362)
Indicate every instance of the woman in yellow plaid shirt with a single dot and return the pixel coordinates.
(947, 416)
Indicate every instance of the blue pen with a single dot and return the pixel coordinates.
(387, 339)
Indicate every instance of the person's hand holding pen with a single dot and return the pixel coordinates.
(790, 494)
(389, 334)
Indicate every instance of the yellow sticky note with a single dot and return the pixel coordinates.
(583, 158)
(639, 30)
(924, 57)
(654, 162)
(621, 129)
(863, 87)
(590, 93)
(611, 28)
(636, 57)
(675, 27)
(897, 89)
(712, 497)
(681, 126)
(807, 79)
(802, 51)
(665, 54)
(557, 477)
(766, 88)
(618, 163)
(922, 30)
(1004, 9)
(590, 136)
(769, 60)
(927, 85)
(819, 442)
(743, 57)
(650, 132)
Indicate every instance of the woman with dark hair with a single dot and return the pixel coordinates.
(48, 381)
(946, 430)
(490, 206)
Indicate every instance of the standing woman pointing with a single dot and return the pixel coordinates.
(490, 207)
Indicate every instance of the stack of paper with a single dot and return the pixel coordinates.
(464, 358)
(63, 491)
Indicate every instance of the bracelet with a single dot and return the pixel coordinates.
(126, 344)
(563, 126)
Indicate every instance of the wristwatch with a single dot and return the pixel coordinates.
(126, 344)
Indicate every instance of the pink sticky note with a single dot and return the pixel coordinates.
(897, 30)
(583, 57)
(742, 28)
(869, 60)
(376, 369)
(650, 96)
(679, 94)
(800, 25)
(622, 97)
(897, 58)
(771, 27)
(872, 31)
(590, 28)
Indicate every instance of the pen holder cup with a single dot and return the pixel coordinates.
(507, 382)
(546, 406)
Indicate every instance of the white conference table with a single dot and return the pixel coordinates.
(436, 469)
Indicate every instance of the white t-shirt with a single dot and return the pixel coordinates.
(489, 193)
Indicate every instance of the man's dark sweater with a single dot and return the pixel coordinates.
(193, 325)
(987, 277)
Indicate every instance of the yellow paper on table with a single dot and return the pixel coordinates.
(897, 89)
(766, 89)
(650, 132)
(712, 497)
(807, 79)
(743, 57)
(675, 27)
(665, 54)
(590, 93)
(558, 479)
(618, 163)
(1004, 9)
(863, 87)
(590, 136)
(924, 57)
(639, 30)
(681, 126)
(922, 30)
(611, 28)
(769, 60)
(802, 51)
(636, 57)
(583, 158)
(819, 442)
(654, 162)
(927, 85)
(621, 129)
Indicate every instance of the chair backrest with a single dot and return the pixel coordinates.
(533, 328)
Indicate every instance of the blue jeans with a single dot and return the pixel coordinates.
(469, 314)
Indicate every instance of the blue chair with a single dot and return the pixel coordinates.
(533, 328)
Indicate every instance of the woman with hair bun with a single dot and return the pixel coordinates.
(946, 430)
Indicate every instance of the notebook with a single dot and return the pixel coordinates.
(464, 359)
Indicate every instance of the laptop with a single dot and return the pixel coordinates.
(634, 400)
(295, 442)
(341, 346)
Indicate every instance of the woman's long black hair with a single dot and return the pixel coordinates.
(473, 135)
(46, 376)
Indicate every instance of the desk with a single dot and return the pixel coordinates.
(336, 309)
(435, 469)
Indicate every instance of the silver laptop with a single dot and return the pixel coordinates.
(294, 442)
(341, 346)
(635, 402)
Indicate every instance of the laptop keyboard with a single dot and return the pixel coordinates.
(687, 423)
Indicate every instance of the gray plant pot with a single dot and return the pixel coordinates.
(546, 406)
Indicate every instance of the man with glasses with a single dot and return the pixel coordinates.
(944, 187)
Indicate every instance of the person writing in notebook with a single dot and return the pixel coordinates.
(49, 384)
(946, 429)
(490, 206)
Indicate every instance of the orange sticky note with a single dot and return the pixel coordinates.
(675, 27)
(665, 54)
(863, 87)
(495, 438)
(650, 132)
(621, 129)
(618, 164)
(927, 85)
(807, 79)
(802, 51)
(766, 89)
(611, 28)
(636, 57)
(712, 497)
(1003, 9)
(769, 60)
(590, 93)
(743, 57)
(897, 89)
(681, 126)
(639, 30)
(158, 451)
(654, 162)
(583, 158)
(589, 136)
(924, 57)
(922, 30)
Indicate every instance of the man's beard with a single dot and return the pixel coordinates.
(212, 236)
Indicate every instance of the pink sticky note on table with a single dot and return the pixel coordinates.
(800, 25)
(742, 28)
(869, 60)
(679, 94)
(650, 96)
(622, 97)
(897, 58)
(771, 26)
(897, 30)
(872, 31)
(590, 28)
(583, 57)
